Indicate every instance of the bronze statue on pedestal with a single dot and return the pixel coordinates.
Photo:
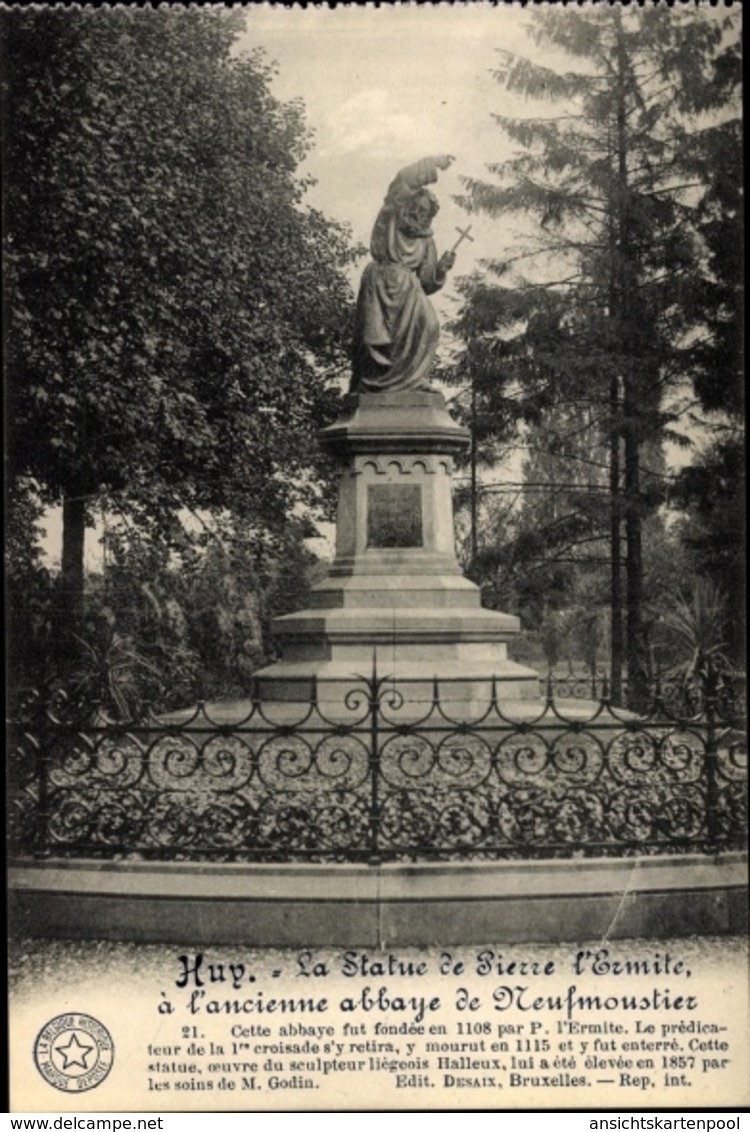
(396, 328)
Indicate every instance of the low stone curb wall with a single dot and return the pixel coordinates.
(382, 905)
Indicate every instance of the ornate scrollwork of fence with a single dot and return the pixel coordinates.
(375, 774)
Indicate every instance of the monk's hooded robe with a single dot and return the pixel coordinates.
(396, 328)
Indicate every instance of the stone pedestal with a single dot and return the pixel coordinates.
(395, 592)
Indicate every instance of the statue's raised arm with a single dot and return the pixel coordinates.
(396, 329)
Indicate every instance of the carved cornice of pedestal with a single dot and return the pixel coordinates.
(381, 465)
(410, 421)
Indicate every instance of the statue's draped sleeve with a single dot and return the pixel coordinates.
(409, 180)
(389, 243)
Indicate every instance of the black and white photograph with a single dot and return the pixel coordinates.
(375, 558)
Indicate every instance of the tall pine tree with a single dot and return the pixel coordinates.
(603, 304)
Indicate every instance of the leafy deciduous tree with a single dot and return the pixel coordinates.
(172, 310)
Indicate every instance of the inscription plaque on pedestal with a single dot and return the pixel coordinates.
(394, 515)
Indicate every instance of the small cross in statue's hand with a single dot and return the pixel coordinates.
(464, 236)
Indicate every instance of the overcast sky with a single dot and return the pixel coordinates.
(385, 86)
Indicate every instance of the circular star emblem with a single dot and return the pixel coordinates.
(74, 1052)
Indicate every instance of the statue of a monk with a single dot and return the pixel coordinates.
(396, 329)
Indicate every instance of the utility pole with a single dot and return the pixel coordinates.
(473, 466)
(616, 627)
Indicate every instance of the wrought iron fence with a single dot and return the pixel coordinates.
(678, 697)
(380, 771)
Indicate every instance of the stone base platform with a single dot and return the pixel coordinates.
(467, 697)
(382, 905)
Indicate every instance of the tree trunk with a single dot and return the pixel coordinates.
(634, 642)
(73, 537)
(625, 286)
(616, 638)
